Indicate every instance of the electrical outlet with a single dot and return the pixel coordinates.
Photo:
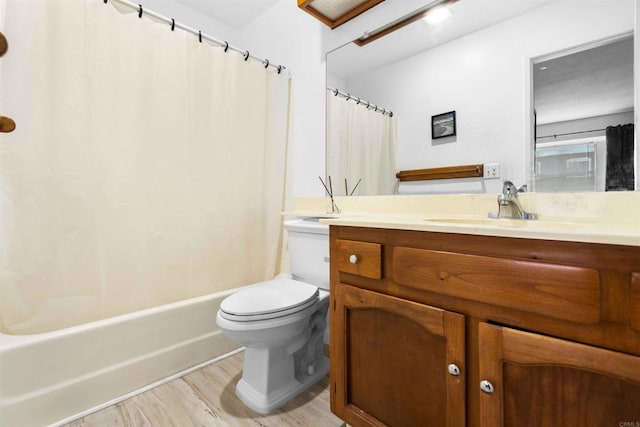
(492, 171)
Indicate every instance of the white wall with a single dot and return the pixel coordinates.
(485, 78)
(291, 37)
(337, 83)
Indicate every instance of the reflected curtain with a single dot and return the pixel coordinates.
(361, 145)
(620, 174)
(146, 168)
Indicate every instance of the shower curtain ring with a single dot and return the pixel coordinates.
(226, 46)
(200, 36)
(173, 24)
(105, 1)
(348, 97)
(279, 68)
(139, 11)
(266, 65)
(390, 113)
(335, 92)
(246, 55)
(358, 103)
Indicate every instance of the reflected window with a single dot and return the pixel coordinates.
(570, 166)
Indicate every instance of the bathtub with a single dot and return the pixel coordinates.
(55, 377)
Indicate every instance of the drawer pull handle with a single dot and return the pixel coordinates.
(486, 386)
(353, 259)
(453, 369)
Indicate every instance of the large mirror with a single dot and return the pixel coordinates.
(501, 66)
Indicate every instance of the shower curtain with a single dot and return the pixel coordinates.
(620, 176)
(146, 167)
(361, 145)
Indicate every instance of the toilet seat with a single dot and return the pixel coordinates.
(268, 300)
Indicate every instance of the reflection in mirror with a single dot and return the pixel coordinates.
(361, 146)
(479, 64)
(583, 103)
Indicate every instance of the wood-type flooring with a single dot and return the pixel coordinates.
(206, 397)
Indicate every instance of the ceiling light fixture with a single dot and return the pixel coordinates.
(437, 15)
(404, 21)
(336, 12)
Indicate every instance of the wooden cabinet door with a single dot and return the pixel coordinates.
(543, 381)
(390, 361)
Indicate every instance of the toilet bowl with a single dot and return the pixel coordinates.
(281, 323)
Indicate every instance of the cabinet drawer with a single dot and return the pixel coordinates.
(360, 258)
(558, 291)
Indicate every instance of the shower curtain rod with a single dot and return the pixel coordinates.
(367, 104)
(201, 36)
(569, 133)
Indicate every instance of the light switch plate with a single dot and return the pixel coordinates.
(492, 171)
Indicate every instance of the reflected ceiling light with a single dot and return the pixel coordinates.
(404, 21)
(437, 15)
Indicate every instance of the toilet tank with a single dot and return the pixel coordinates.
(309, 251)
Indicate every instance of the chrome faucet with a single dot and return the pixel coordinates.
(508, 200)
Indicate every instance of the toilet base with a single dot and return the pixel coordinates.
(281, 360)
(267, 403)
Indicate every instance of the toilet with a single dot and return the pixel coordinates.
(282, 322)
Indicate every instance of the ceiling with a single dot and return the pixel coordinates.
(585, 84)
(235, 13)
(334, 13)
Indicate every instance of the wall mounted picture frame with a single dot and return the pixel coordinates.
(443, 125)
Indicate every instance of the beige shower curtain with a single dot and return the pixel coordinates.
(361, 147)
(146, 167)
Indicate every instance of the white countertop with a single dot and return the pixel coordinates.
(609, 218)
(547, 230)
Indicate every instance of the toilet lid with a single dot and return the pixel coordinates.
(266, 300)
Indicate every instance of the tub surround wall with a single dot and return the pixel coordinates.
(612, 217)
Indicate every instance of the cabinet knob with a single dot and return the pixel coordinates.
(3, 44)
(486, 386)
(353, 259)
(7, 124)
(453, 369)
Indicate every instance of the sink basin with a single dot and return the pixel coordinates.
(505, 222)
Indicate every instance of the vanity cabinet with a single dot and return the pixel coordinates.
(532, 379)
(398, 355)
(444, 329)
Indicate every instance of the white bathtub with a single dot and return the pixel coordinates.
(54, 377)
